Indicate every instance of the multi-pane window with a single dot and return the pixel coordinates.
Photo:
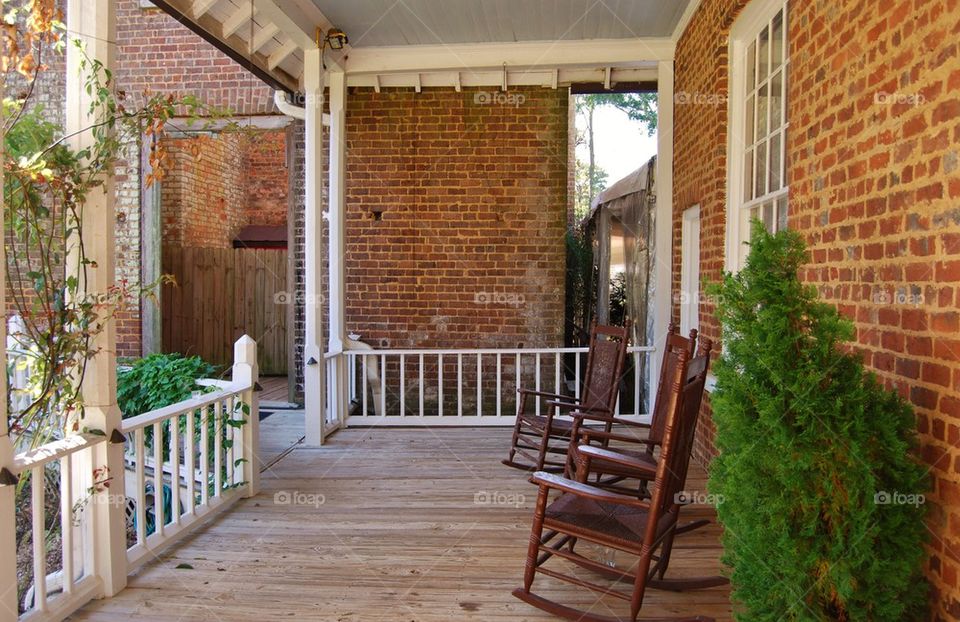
(758, 181)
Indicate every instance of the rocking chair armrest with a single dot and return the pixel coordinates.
(558, 482)
(591, 412)
(555, 396)
(616, 457)
(588, 434)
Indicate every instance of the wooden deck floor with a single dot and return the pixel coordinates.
(386, 524)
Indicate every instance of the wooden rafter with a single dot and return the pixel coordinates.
(233, 46)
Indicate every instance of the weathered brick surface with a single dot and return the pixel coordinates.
(456, 218)
(874, 182)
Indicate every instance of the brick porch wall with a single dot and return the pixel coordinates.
(472, 202)
(874, 186)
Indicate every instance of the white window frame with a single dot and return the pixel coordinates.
(745, 29)
(690, 270)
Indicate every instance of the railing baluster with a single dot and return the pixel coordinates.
(175, 470)
(516, 393)
(39, 539)
(636, 383)
(479, 385)
(403, 382)
(140, 495)
(205, 455)
(421, 384)
(499, 392)
(383, 385)
(440, 385)
(363, 384)
(459, 385)
(218, 448)
(190, 462)
(158, 478)
(236, 445)
(66, 521)
(576, 372)
(536, 371)
(556, 373)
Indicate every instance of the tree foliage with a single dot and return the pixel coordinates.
(47, 181)
(640, 107)
(822, 488)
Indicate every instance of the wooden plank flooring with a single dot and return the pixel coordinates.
(386, 524)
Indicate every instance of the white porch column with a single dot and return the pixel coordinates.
(314, 374)
(95, 22)
(8, 530)
(337, 209)
(663, 234)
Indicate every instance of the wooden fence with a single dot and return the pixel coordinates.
(221, 294)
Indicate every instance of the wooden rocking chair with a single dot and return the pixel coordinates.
(641, 527)
(536, 438)
(631, 472)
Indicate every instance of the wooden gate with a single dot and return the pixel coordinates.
(222, 293)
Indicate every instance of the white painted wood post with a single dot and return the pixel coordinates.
(8, 529)
(245, 370)
(94, 21)
(663, 232)
(314, 373)
(337, 82)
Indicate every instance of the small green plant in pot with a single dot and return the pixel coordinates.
(823, 491)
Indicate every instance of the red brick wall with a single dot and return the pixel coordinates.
(265, 174)
(473, 202)
(202, 194)
(874, 183)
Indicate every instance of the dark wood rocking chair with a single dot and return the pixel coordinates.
(641, 527)
(635, 468)
(540, 442)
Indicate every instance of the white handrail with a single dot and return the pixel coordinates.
(179, 408)
(54, 450)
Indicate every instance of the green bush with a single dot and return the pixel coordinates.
(821, 485)
(159, 380)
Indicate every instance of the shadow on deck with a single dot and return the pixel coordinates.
(385, 524)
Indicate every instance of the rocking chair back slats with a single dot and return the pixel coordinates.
(675, 344)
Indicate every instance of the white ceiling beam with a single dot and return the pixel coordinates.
(199, 8)
(536, 54)
(236, 20)
(546, 78)
(281, 54)
(300, 30)
(264, 35)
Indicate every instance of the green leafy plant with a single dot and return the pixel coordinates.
(159, 380)
(822, 488)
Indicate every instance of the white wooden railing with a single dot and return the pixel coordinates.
(206, 458)
(469, 386)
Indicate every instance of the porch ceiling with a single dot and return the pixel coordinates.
(428, 22)
(422, 43)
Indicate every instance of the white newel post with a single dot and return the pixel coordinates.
(663, 232)
(95, 20)
(337, 82)
(245, 370)
(314, 373)
(8, 530)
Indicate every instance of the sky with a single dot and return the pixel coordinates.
(621, 146)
